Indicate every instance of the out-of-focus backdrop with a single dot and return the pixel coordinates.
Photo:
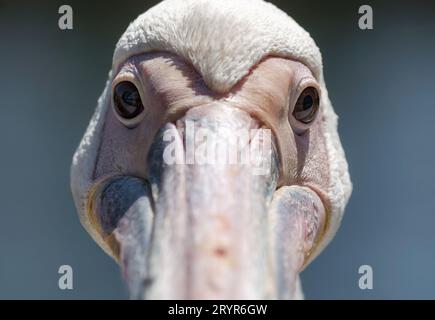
(381, 82)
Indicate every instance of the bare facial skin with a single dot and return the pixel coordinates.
(205, 231)
(169, 87)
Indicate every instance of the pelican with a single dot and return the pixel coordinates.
(194, 230)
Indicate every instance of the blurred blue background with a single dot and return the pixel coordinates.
(382, 86)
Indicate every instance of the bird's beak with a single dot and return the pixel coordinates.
(209, 222)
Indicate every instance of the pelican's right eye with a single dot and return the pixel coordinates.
(126, 97)
(307, 106)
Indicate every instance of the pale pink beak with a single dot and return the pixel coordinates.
(214, 230)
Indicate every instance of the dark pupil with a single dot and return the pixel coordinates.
(127, 100)
(308, 102)
(131, 98)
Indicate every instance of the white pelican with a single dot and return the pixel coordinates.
(212, 231)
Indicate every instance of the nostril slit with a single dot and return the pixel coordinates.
(220, 252)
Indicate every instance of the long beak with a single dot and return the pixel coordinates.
(209, 223)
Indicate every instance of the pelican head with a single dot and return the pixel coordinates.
(212, 167)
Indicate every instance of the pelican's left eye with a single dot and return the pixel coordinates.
(128, 103)
(307, 105)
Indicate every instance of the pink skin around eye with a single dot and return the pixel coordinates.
(169, 87)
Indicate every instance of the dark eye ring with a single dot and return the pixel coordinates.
(307, 105)
(126, 98)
